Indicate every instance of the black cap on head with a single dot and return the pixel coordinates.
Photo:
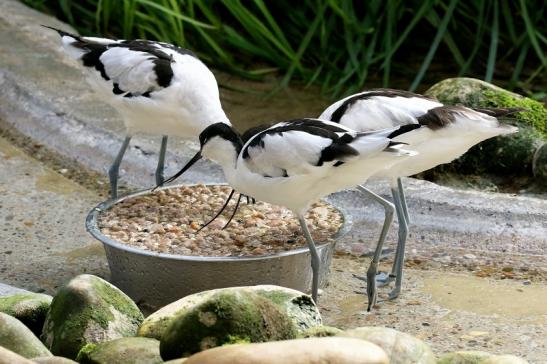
(223, 131)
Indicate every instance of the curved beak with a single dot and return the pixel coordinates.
(191, 162)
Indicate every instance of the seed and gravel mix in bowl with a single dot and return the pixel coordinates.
(167, 221)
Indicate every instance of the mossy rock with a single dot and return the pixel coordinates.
(53, 360)
(226, 317)
(299, 307)
(401, 348)
(29, 308)
(332, 350)
(464, 357)
(503, 359)
(476, 93)
(127, 350)
(88, 310)
(15, 336)
(510, 154)
(9, 357)
(320, 331)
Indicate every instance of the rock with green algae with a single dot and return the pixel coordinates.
(332, 350)
(29, 308)
(86, 310)
(299, 307)
(15, 336)
(53, 360)
(503, 359)
(320, 331)
(511, 154)
(127, 350)
(226, 317)
(401, 348)
(9, 357)
(464, 357)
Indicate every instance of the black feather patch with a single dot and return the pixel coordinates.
(385, 92)
(336, 151)
(92, 59)
(499, 111)
(116, 90)
(441, 116)
(403, 129)
(164, 72)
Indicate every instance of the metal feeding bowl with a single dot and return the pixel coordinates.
(154, 279)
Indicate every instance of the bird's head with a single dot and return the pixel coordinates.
(219, 142)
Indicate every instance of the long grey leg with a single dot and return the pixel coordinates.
(373, 269)
(403, 198)
(315, 262)
(389, 209)
(114, 170)
(161, 161)
(398, 264)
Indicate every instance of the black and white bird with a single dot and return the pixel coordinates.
(295, 163)
(447, 133)
(157, 88)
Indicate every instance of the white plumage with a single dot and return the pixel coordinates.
(294, 163)
(448, 132)
(157, 88)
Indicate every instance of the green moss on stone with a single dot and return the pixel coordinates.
(87, 301)
(244, 315)
(127, 350)
(115, 298)
(83, 354)
(464, 357)
(320, 331)
(29, 308)
(503, 155)
(234, 339)
(535, 114)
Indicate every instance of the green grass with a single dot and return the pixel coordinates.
(341, 45)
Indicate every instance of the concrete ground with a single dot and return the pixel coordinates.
(476, 271)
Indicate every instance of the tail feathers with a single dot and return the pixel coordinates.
(62, 33)
(499, 111)
(506, 129)
(397, 148)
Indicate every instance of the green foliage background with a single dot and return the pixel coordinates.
(340, 45)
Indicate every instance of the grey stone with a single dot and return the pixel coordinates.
(30, 308)
(332, 350)
(226, 317)
(88, 310)
(503, 359)
(9, 357)
(53, 360)
(303, 312)
(15, 336)
(127, 350)
(401, 348)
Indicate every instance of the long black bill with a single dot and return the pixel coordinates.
(220, 212)
(233, 213)
(191, 162)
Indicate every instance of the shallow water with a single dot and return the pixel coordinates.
(505, 300)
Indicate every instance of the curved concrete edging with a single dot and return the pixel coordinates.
(44, 96)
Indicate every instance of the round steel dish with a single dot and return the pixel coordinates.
(156, 279)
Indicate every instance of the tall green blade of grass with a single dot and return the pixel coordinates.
(436, 41)
(531, 33)
(493, 45)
